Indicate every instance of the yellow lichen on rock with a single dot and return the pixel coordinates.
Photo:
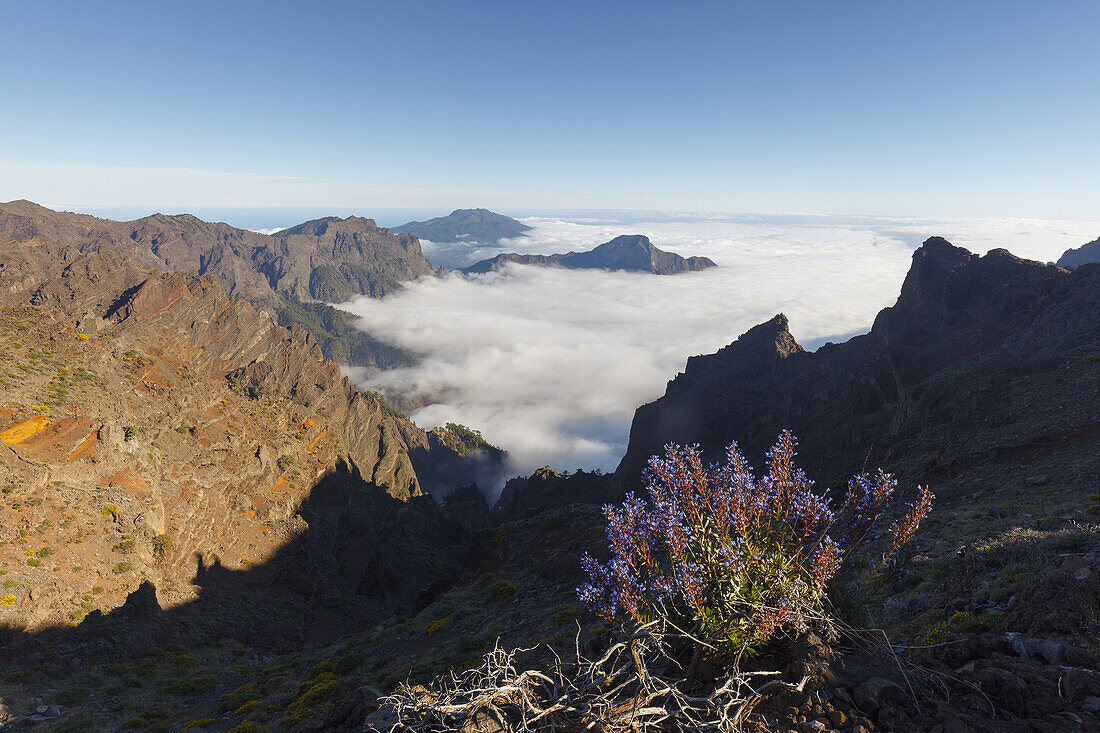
(30, 427)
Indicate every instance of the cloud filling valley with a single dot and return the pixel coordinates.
(550, 363)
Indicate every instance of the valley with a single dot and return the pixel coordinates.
(207, 526)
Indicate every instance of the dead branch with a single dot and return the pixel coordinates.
(618, 693)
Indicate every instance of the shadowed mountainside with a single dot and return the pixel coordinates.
(979, 357)
(630, 252)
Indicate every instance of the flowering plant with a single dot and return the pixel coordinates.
(740, 558)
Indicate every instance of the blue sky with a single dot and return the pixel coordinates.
(882, 108)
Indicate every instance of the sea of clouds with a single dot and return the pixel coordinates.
(550, 363)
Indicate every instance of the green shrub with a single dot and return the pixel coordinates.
(131, 431)
(33, 562)
(110, 511)
(149, 718)
(437, 625)
(504, 590)
(202, 682)
(270, 676)
(241, 695)
(162, 545)
(125, 546)
(248, 707)
(565, 614)
(122, 567)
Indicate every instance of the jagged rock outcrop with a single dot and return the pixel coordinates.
(328, 259)
(1082, 255)
(466, 225)
(630, 252)
(944, 375)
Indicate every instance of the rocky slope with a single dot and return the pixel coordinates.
(466, 225)
(630, 252)
(149, 421)
(1082, 255)
(327, 259)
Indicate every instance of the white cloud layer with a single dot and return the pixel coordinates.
(550, 364)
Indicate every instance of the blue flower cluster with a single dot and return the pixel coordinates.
(736, 555)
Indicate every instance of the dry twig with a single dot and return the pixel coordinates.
(622, 691)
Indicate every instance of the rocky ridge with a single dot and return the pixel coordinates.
(328, 259)
(1082, 255)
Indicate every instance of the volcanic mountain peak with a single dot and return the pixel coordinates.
(466, 225)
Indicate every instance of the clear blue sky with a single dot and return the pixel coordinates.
(891, 108)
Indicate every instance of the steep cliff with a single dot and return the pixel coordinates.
(945, 374)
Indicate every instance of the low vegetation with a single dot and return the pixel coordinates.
(462, 440)
(735, 558)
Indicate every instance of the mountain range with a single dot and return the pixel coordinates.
(631, 252)
(329, 259)
(292, 273)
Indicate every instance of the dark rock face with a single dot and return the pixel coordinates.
(1084, 254)
(943, 377)
(546, 488)
(327, 259)
(633, 253)
(466, 225)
